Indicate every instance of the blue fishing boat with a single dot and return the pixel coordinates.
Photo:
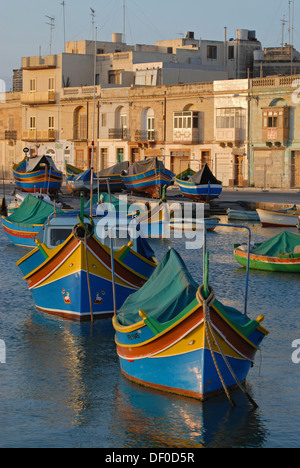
(37, 174)
(201, 186)
(176, 336)
(71, 273)
(148, 177)
(78, 180)
(114, 176)
(24, 224)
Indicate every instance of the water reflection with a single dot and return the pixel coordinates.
(147, 418)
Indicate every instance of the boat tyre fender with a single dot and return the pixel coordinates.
(84, 230)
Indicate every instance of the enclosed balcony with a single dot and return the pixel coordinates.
(38, 98)
(38, 135)
(186, 127)
(276, 125)
(230, 126)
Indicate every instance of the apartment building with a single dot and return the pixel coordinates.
(171, 99)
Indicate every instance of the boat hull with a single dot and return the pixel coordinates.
(21, 236)
(38, 181)
(150, 182)
(181, 360)
(75, 281)
(277, 219)
(288, 264)
(200, 193)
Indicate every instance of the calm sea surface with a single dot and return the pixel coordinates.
(61, 384)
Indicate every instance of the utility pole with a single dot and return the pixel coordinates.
(124, 21)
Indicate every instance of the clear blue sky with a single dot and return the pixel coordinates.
(23, 28)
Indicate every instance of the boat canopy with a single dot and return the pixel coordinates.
(32, 211)
(114, 170)
(33, 163)
(204, 176)
(283, 243)
(169, 290)
(144, 166)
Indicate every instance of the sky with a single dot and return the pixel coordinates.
(24, 28)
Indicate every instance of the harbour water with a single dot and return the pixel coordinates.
(61, 386)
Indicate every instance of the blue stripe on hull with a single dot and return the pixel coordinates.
(191, 372)
(50, 297)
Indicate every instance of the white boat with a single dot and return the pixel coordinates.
(192, 224)
(282, 218)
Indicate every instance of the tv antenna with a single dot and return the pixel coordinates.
(63, 3)
(52, 26)
(93, 14)
(283, 22)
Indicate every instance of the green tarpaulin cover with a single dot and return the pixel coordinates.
(283, 243)
(118, 204)
(168, 291)
(32, 211)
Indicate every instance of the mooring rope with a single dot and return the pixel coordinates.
(88, 277)
(206, 303)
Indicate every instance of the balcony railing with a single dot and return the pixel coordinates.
(118, 133)
(187, 136)
(145, 135)
(38, 98)
(38, 135)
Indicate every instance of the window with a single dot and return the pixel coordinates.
(211, 52)
(32, 123)
(51, 123)
(226, 118)
(185, 120)
(230, 52)
(32, 85)
(51, 86)
(272, 121)
(150, 128)
(115, 77)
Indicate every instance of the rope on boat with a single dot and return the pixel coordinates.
(206, 303)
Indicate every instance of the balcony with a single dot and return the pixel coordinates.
(10, 135)
(229, 136)
(35, 99)
(38, 135)
(186, 136)
(276, 126)
(145, 136)
(118, 133)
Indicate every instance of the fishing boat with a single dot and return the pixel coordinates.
(114, 176)
(193, 224)
(18, 198)
(280, 253)
(148, 176)
(242, 215)
(78, 180)
(76, 278)
(37, 174)
(280, 218)
(23, 226)
(201, 186)
(175, 336)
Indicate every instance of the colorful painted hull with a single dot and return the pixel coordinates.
(43, 180)
(21, 236)
(176, 357)
(115, 183)
(284, 263)
(150, 182)
(60, 284)
(287, 218)
(243, 215)
(201, 193)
